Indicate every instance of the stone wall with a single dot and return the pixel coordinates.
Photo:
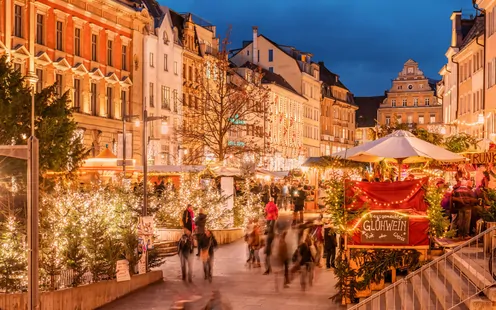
(85, 297)
(223, 236)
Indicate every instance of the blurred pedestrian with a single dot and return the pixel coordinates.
(200, 221)
(185, 252)
(207, 246)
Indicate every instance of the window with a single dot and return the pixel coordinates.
(150, 94)
(109, 52)
(109, 102)
(415, 102)
(18, 21)
(39, 83)
(165, 93)
(77, 41)
(409, 119)
(40, 23)
(421, 119)
(271, 69)
(175, 67)
(388, 120)
(404, 101)
(77, 94)
(152, 64)
(271, 55)
(410, 70)
(58, 35)
(94, 98)
(393, 102)
(166, 65)
(400, 87)
(174, 99)
(18, 67)
(58, 84)
(94, 39)
(123, 102)
(410, 86)
(433, 119)
(124, 57)
(398, 119)
(426, 101)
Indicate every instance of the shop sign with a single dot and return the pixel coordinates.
(481, 158)
(384, 228)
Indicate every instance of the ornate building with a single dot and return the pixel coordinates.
(162, 88)
(411, 100)
(93, 49)
(301, 74)
(199, 42)
(337, 118)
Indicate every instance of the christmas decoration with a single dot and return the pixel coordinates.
(13, 256)
(248, 205)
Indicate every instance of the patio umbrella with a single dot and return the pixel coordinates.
(399, 147)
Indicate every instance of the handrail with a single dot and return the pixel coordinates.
(424, 268)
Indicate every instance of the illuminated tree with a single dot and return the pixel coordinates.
(247, 206)
(13, 256)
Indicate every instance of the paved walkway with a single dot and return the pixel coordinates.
(243, 288)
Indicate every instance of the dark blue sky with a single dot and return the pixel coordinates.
(366, 42)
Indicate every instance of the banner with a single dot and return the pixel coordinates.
(397, 213)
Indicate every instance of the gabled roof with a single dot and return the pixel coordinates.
(112, 78)
(96, 74)
(278, 46)
(178, 22)
(43, 58)
(367, 110)
(79, 69)
(330, 78)
(271, 77)
(476, 30)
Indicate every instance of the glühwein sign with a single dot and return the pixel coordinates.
(384, 227)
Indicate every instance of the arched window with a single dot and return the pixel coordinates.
(166, 38)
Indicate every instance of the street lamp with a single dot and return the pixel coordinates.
(137, 124)
(144, 139)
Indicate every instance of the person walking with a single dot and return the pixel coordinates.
(274, 191)
(271, 214)
(330, 244)
(185, 251)
(268, 251)
(200, 221)
(207, 246)
(284, 196)
(299, 204)
(283, 256)
(187, 220)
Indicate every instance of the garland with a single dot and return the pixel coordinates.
(438, 221)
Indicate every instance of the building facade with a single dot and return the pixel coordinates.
(300, 73)
(411, 100)
(90, 49)
(199, 42)
(489, 91)
(337, 118)
(162, 83)
(461, 87)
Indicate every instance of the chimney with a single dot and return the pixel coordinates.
(254, 52)
(456, 29)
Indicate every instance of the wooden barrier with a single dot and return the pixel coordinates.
(223, 236)
(86, 297)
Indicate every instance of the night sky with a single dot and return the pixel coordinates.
(366, 42)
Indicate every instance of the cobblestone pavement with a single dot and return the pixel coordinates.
(242, 288)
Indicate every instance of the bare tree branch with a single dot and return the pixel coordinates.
(225, 115)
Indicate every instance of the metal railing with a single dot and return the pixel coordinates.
(447, 282)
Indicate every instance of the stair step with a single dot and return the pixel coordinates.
(472, 269)
(422, 293)
(439, 288)
(407, 298)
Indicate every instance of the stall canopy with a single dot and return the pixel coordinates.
(400, 146)
(172, 169)
(272, 174)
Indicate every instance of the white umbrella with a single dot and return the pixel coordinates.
(400, 147)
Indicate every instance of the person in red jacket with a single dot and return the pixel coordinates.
(271, 214)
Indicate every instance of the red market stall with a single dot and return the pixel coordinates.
(396, 216)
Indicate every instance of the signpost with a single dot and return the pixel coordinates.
(122, 270)
(384, 228)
